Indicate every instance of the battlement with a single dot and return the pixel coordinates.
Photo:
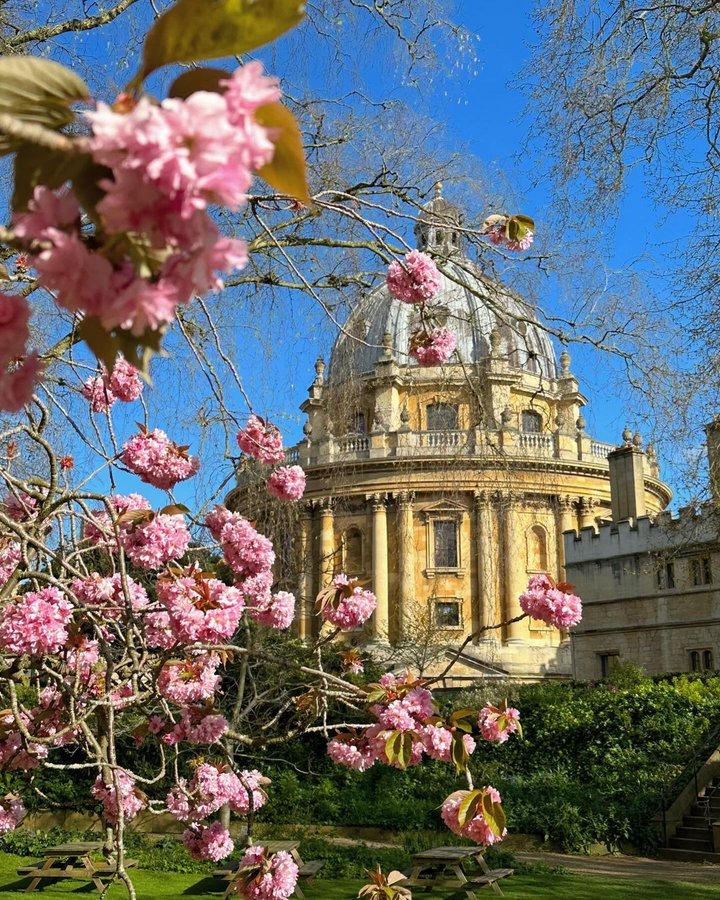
(644, 535)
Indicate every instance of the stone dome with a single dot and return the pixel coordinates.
(471, 304)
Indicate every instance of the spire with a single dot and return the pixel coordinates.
(437, 229)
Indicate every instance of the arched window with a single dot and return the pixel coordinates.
(695, 661)
(537, 556)
(442, 417)
(352, 552)
(708, 659)
(357, 423)
(531, 421)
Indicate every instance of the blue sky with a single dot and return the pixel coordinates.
(482, 107)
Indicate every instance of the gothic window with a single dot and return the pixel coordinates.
(708, 659)
(608, 662)
(442, 417)
(447, 613)
(537, 556)
(700, 571)
(445, 544)
(701, 660)
(357, 423)
(666, 576)
(531, 422)
(352, 552)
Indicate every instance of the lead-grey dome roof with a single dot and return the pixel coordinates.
(474, 306)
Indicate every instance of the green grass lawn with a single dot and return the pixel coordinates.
(164, 886)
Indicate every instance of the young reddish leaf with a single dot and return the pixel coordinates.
(191, 30)
(286, 171)
(194, 80)
(175, 509)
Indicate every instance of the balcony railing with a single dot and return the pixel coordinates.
(537, 444)
(597, 448)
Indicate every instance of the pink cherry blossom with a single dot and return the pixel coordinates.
(99, 529)
(261, 440)
(433, 349)
(12, 812)
(20, 506)
(277, 612)
(46, 210)
(245, 550)
(351, 606)
(498, 723)
(477, 828)
(248, 89)
(210, 842)
(551, 603)
(158, 460)
(353, 752)
(438, 740)
(10, 556)
(150, 545)
(98, 393)
(211, 787)
(523, 244)
(106, 593)
(36, 623)
(200, 608)
(415, 279)
(125, 381)
(17, 384)
(190, 680)
(197, 726)
(276, 882)
(14, 330)
(131, 799)
(287, 483)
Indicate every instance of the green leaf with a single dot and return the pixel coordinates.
(393, 745)
(469, 805)
(34, 165)
(493, 814)
(137, 349)
(86, 185)
(39, 91)
(465, 713)
(195, 80)
(286, 171)
(519, 226)
(458, 752)
(191, 30)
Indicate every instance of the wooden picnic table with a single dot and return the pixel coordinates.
(306, 871)
(72, 861)
(446, 867)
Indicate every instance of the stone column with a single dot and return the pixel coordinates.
(380, 565)
(487, 606)
(305, 598)
(567, 521)
(406, 554)
(587, 517)
(327, 542)
(515, 568)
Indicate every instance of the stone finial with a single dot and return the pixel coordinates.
(307, 429)
(627, 436)
(565, 362)
(437, 188)
(580, 423)
(506, 416)
(387, 343)
(494, 342)
(319, 370)
(404, 414)
(559, 419)
(637, 440)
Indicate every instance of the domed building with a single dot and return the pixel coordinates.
(444, 488)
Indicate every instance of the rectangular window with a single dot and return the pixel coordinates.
(700, 571)
(447, 614)
(666, 576)
(701, 660)
(608, 662)
(445, 545)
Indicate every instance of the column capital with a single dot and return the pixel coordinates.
(326, 505)
(588, 503)
(566, 503)
(377, 501)
(482, 498)
(404, 498)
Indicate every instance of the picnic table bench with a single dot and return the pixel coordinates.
(71, 861)
(445, 867)
(306, 870)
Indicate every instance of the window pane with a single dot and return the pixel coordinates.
(445, 537)
(707, 659)
(707, 570)
(670, 574)
(531, 422)
(357, 423)
(442, 417)
(447, 613)
(695, 661)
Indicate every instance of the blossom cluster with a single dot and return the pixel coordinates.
(12, 812)
(496, 229)
(208, 842)
(262, 440)
(476, 829)
(345, 604)
(497, 723)
(9, 558)
(157, 460)
(199, 608)
(212, 787)
(267, 877)
(118, 792)
(108, 594)
(287, 483)
(196, 726)
(552, 603)
(123, 384)
(19, 370)
(189, 680)
(36, 623)
(416, 280)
